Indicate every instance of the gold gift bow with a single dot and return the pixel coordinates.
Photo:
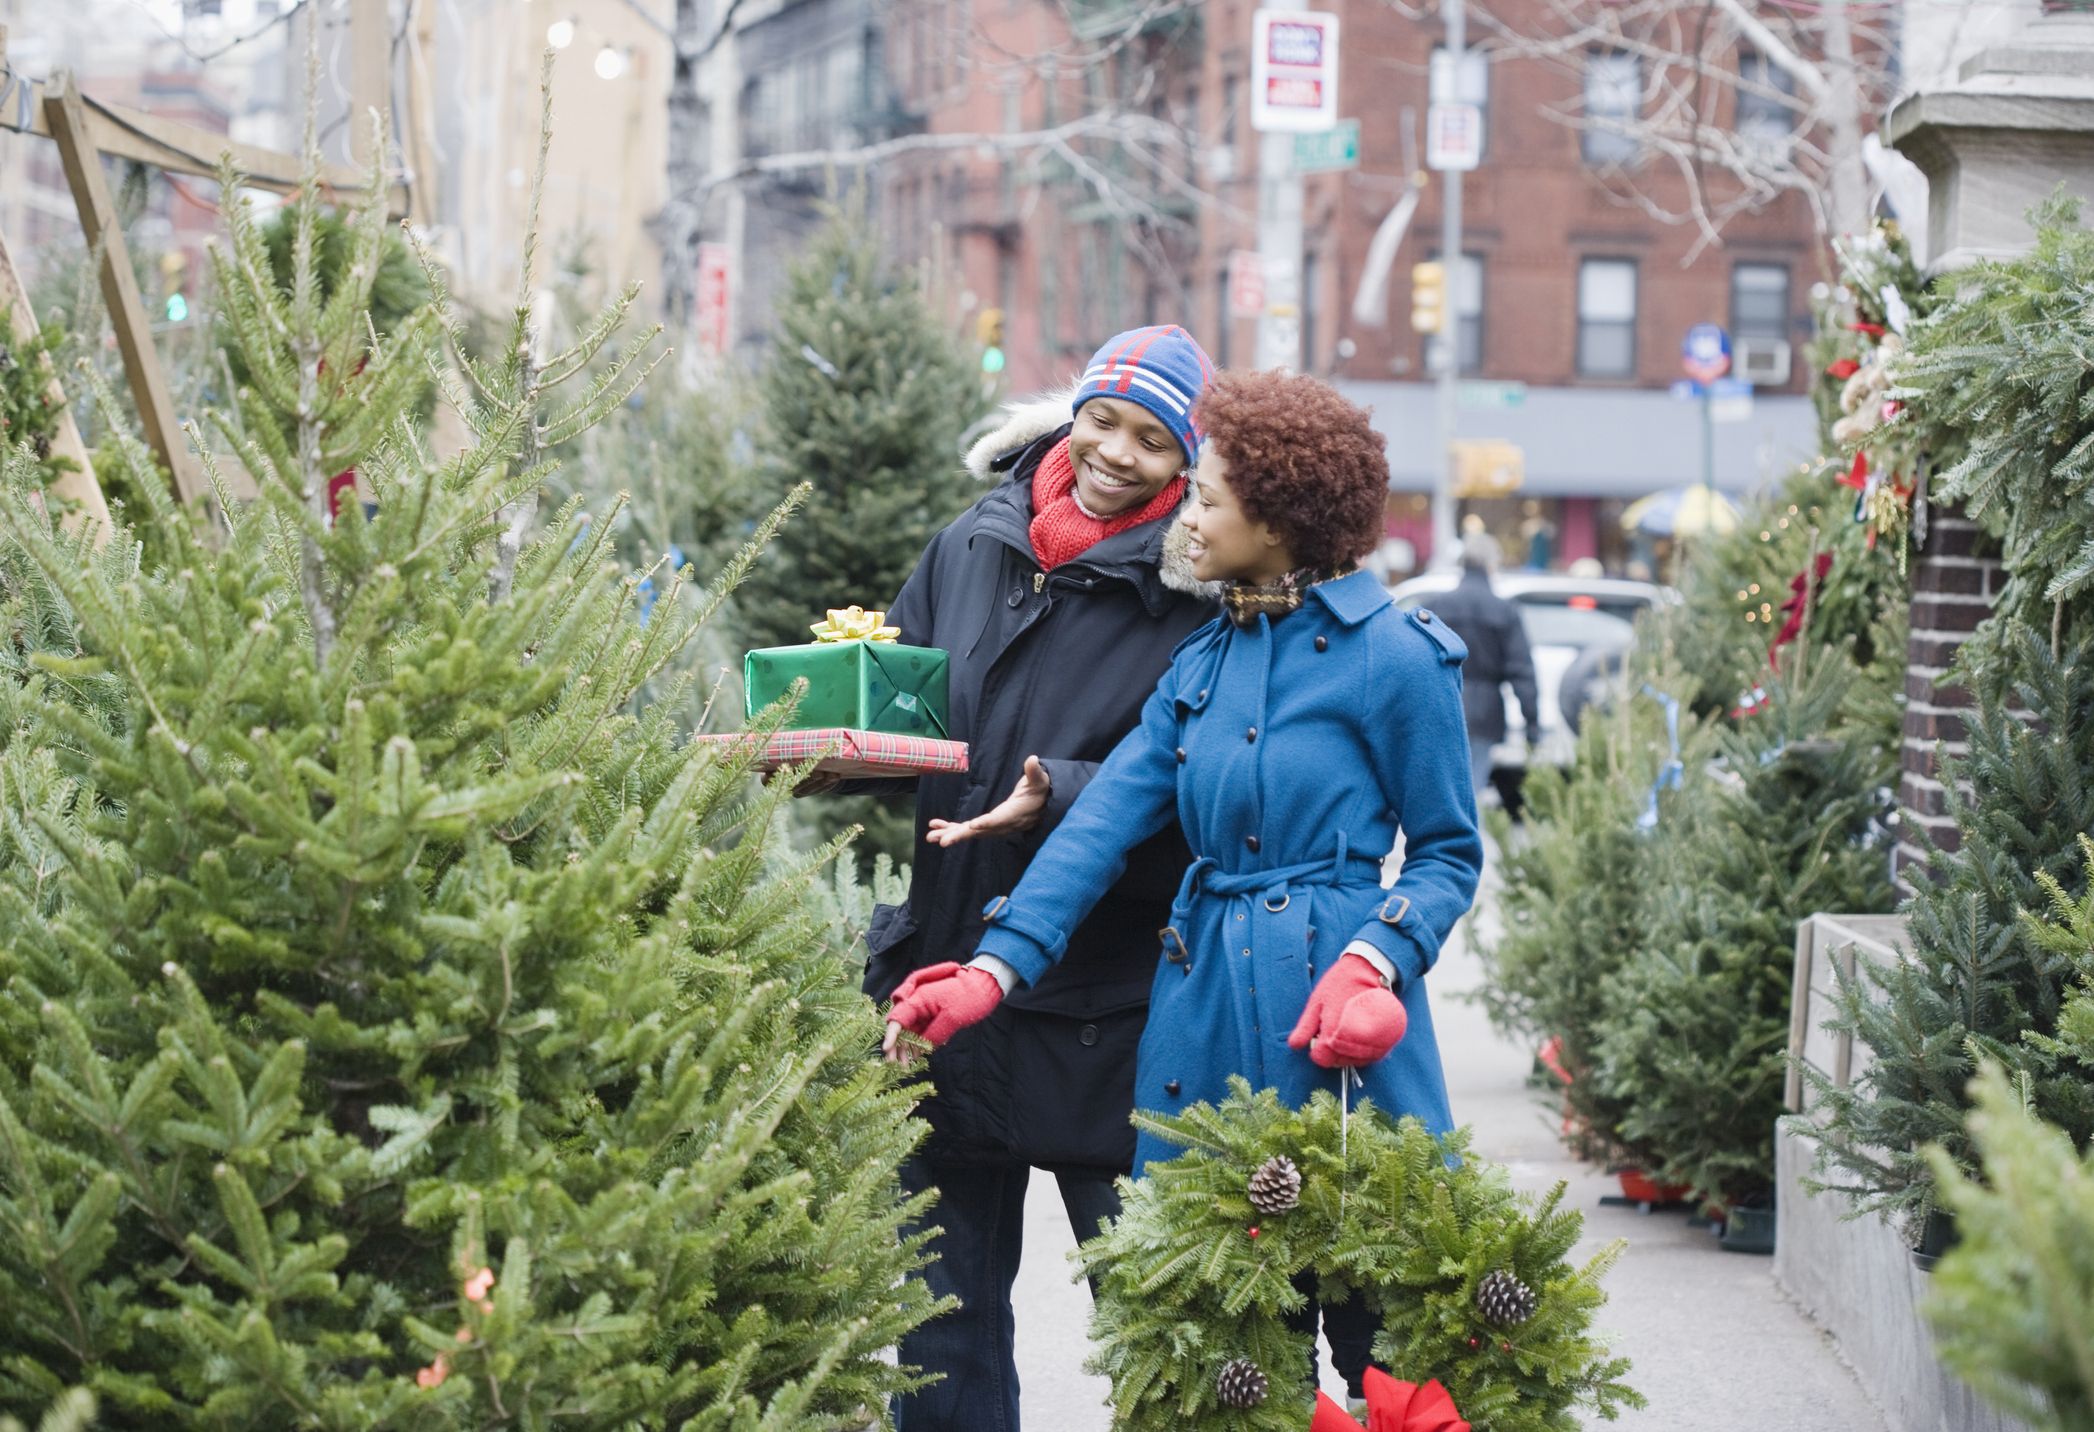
(854, 624)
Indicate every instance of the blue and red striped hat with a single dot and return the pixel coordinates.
(1162, 368)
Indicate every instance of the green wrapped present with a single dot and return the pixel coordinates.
(858, 678)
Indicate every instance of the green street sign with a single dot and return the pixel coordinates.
(1491, 394)
(1328, 150)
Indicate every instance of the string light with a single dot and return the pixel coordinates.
(609, 63)
(560, 34)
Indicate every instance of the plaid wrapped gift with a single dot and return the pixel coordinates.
(852, 754)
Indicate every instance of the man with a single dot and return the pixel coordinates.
(1498, 654)
(1059, 597)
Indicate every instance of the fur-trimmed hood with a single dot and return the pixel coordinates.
(1024, 423)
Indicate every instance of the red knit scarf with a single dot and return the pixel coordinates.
(1061, 530)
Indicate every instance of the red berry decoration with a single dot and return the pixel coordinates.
(1474, 1343)
(1252, 1230)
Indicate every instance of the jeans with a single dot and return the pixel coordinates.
(981, 1208)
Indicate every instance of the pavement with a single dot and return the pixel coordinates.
(1716, 1346)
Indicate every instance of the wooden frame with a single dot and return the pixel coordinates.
(85, 130)
(1826, 946)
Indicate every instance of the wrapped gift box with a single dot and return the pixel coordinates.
(854, 686)
(854, 754)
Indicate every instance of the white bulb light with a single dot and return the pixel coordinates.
(609, 63)
(560, 34)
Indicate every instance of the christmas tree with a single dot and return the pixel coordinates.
(2009, 1302)
(1571, 912)
(1694, 1026)
(1974, 983)
(1470, 1280)
(865, 396)
(412, 1031)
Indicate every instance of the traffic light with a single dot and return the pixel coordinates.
(1429, 297)
(174, 278)
(988, 330)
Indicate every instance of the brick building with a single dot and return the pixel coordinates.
(1572, 303)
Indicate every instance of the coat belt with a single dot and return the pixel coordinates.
(1273, 885)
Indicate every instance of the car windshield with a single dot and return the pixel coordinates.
(1551, 625)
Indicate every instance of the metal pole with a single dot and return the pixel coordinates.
(1280, 204)
(1708, 446)
(1444, 537)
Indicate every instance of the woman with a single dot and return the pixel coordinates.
(1059, 597)
(1292, 739)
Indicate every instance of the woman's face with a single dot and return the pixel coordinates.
(1227, 546)
(1123, 455)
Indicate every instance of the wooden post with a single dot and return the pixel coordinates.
(78, 488)
(67, 116)
(370, 73)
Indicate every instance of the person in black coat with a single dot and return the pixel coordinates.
(1499, 655)
(1059, 596)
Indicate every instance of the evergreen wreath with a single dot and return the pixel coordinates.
(1193, 1282)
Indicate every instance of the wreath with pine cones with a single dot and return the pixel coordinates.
(1469, 1279)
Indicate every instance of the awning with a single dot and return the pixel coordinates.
(1596, 442)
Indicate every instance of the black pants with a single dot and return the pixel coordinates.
(981, 1208)
(1349, 1329)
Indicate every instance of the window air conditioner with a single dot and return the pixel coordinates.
(1763, 362)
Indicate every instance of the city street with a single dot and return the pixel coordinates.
(1717, 1347)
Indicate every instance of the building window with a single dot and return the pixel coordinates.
(1311, 301)
(1472, 86)
(1224, 320)
(1607, 318)
(1759, 301)
(1465, 295)
(1766, 104)
(1613, 99)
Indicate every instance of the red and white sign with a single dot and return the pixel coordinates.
(713, 323)
(1453, 136)
(1294, 71)
(1246, 283)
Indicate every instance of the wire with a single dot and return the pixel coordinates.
(206, 56)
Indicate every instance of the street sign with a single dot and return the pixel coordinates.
(1294, 71)
(1705, 354)
(1453, 136)
(714, 328)
(1333, 149)
(1491, 395)
(1246, 283)
(1487, 467)
(1730, 401)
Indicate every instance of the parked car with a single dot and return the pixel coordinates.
(1579, 629)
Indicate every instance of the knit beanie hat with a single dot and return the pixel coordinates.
(1162, 369)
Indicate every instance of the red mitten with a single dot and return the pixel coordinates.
(1352, 1018)
(939, 1001)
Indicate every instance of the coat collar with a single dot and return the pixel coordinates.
(1351, 598)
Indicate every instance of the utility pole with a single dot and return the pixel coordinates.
(1444, 537)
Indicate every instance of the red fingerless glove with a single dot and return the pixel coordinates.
(941, 1000)
(1352, 1018)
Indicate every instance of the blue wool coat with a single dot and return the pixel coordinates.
(1291, 753)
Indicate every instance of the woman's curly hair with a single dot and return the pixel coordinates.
(1301, 460)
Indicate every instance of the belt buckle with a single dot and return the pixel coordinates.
(1170, 936)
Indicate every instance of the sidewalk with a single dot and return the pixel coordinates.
(1716, 1346)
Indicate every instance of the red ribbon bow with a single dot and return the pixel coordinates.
(1393, 1406)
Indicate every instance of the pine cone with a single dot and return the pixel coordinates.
(1276, 1186)
(1503, 1300)
(1240, 1384)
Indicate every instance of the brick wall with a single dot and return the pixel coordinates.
(1955, 581)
